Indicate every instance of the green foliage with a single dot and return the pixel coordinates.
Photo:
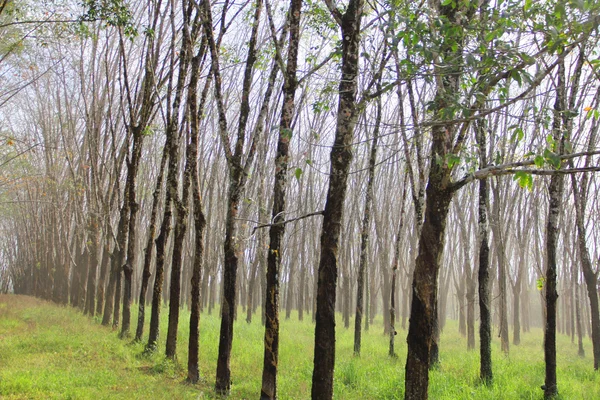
(318, 18)
(540, 283)
(148, 130)
(525, 179)
(114, 13)
(552, 158)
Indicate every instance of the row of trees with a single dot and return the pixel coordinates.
(228, 153)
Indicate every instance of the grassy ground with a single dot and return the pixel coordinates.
(49, 352)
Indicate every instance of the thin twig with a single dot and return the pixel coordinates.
(287, 221)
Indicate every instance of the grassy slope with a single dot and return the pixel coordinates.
(53, 352)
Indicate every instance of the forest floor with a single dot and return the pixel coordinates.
(51, 352)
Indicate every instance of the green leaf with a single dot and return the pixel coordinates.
(517, 135)
(452, 160)
(568, 146)
(447, 2)
(539, 161)
(286, 133)
(525, 180)
(517, 77)
(540, 283)
(298, 173)
(552, 158)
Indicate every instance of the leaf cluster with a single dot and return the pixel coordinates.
(113, 13)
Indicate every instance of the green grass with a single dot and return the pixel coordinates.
(50, 352)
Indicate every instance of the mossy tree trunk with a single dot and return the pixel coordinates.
(277, 230)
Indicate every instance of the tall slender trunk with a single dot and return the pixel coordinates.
(471, 313)
(516, 318)
(581, 351)
(116, 260)
(364, 234)
(517, 289)
(238, 173)
(94, 241)
(555, 193)
(439, 192)
(460, 294)
(395, 262)
(276, 232)
(341, 157)
(129, 265)
(590, 276)
(501, 256)
(171, 195)
(195, 112)
(483, 275)
(181, 204)
(146, 274)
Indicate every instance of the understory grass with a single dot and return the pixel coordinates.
(51, 352)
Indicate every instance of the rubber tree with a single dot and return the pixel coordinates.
(341, 157)
(172, 144)
(277, 229)
(238, 170)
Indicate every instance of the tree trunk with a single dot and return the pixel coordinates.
(146, 274)
(103, 268)
(425, 282)
(171, 196)
(132, 169)
(238, 172)
(471, 314)
(347, 299)
(94, 239)
(341, 157)
(364, 234)
(460, 293)
(590, 276)
(504, 340)
(483, 275)
(195, 112)
(276, 232)
(516, 319)
(581, 351)
(555, 193)
(116, 260)
(181, 204)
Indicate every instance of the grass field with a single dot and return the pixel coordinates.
(50, 352)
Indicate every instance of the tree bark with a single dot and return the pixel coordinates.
(364, 235)
(181, 204)
(116, 261)
(146, 274)
(483, 275)
(341, 157)
(439, 194)
(171, 196)
(555, 193)
(276, 232)
(195, 113)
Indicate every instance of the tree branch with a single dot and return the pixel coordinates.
(287, 221)
(511, 168)
(335, 13)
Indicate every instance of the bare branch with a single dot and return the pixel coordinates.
(288, 221)
(316, 68)
(44, 21)
(335, 13)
